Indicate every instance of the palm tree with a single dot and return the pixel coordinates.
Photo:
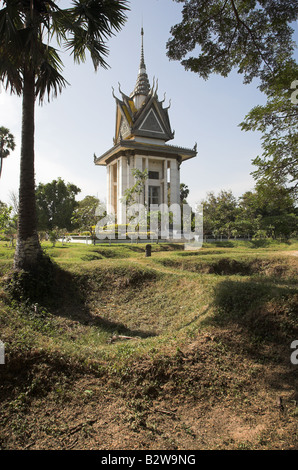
(31, 68)
(7, 143)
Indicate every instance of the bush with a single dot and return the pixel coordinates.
(53, 237)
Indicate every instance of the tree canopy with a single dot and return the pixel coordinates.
(84, 216)
(184, 192)
(132, 195)
(267, 211)
(255, 38)
(8, 222)
(7, 143)
(27, 27)
(277, 120)
(55, 203)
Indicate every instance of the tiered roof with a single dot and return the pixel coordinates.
(142, 123)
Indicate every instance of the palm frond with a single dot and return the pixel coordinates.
(10, 72)
(93, 22)
(49, 81)
(84, 27)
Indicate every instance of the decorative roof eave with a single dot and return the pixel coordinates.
(164, 150)
(125, 105)
(153, 135)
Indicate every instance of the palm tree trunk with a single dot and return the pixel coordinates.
(28, 249)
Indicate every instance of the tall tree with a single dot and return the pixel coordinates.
(7, 144)
(134, 194)
(84, 216)
(55, 203)
(184, 192)
(5, 215)
(219, 213)
(31, 67)
(8, 222)
(278, 122)
(268, 209)
(276, 208)
(256, 39)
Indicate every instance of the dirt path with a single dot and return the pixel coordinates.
(293, 253)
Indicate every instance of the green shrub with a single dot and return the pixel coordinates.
(53, 237)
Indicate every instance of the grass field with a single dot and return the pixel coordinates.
(180, 350)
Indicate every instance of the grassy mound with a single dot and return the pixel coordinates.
(183, 350)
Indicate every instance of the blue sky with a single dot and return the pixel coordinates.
(81, 121)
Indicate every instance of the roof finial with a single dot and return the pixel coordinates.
(142, 64)
(142, 86)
